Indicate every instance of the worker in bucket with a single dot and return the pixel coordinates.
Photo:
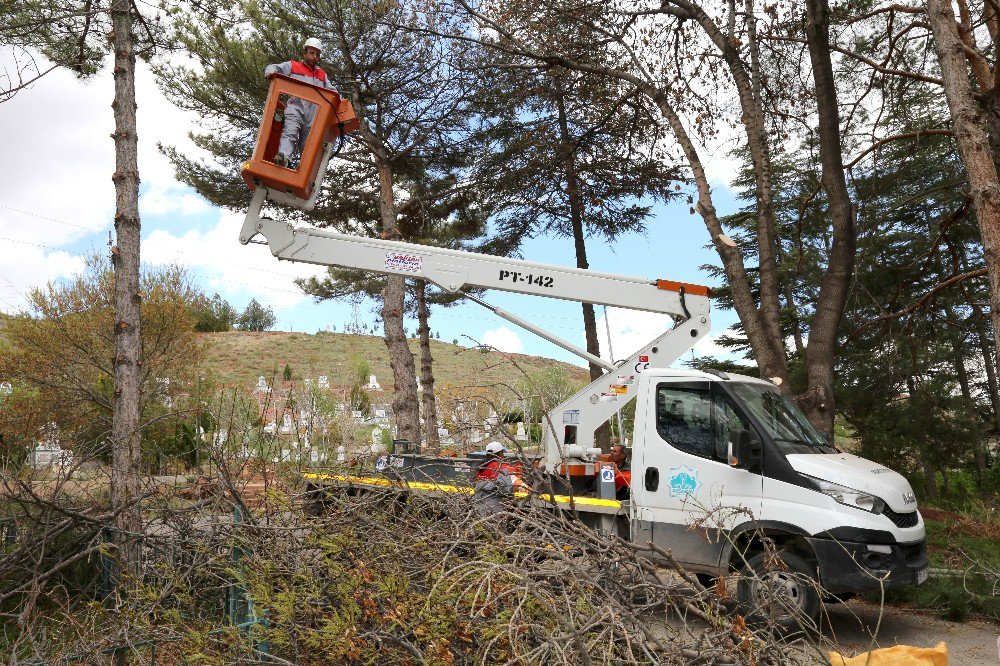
(299, 114)
(496, 479)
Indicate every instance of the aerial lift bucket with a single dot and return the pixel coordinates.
(334, 117)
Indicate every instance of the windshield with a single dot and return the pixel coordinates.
(788, 427)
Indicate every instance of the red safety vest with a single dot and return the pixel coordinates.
(491, 470)
(299, 68)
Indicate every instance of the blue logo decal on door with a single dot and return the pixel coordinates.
(683, 481)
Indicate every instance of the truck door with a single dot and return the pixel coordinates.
(683, 489)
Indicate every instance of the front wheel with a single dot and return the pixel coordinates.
(779, 590)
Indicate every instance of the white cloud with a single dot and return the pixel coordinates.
(631, 330)
(162, 200)
(26, 266)
(221, 264)
(59, 155)
(709, 346)
(503, 339)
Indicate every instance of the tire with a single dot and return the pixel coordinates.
(707, 580)
(792, 602)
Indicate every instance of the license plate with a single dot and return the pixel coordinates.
(921, 576)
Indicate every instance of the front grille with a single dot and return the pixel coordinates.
(901, 519)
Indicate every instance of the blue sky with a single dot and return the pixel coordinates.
(57, 203)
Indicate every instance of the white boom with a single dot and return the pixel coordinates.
(569, 428)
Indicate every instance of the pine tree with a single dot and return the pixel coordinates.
(411, 91)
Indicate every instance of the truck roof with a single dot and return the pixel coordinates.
(710, 375)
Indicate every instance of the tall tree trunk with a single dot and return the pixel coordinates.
(428, 402)
(819, 401)
(965, 386)
(989, 365)
(749, 92)
(404, 398)
(602, 436)
(930, 482)
(972, 138)
(125, 438)
(983, 338)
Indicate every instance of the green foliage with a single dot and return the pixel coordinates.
(360, 400)
(972, 550)
(214, 315)
(287, 373)
(58, 355)
(732, 367)
(256, 317)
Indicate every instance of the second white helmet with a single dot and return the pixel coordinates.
(313, 42)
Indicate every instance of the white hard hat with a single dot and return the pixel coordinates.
(313, 42)
(495, 447)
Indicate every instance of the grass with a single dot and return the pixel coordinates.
(969, 547)
(238, 358)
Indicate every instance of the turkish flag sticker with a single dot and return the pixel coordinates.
(643, 359)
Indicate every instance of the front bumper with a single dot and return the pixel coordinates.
(854, 566)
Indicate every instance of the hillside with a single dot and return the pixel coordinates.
(238, 358)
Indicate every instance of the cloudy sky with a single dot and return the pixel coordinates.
(57, 204)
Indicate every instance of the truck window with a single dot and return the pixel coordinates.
(684, 418)
(788, 427)
(725, 420)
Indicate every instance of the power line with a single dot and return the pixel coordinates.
(51, 219)
(47, 247)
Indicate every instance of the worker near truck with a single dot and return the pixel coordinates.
(496, 480)
(299, 114)
(623, 471)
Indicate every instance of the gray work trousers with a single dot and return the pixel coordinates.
(299, 116)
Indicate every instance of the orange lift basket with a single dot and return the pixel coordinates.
(334, 116)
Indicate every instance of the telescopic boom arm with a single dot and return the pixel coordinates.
(568, 433)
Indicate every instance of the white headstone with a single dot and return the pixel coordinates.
(221, 436)
(323, 382)
(6, 388)
(341, 454)
(357, 415)
(262, 384)
(303, 417)
(286, 423)
(373, 384)
(376, 436)
(380, 414)
(475, 436)
(271, 428)
(521, 436)
(48, 453)
(443, 432)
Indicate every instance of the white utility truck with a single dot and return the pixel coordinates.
(705, 443)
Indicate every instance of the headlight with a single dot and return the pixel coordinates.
(849, 496)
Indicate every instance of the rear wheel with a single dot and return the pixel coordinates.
(707, 581)
(779, 590)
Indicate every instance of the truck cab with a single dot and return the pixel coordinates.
(723, 463)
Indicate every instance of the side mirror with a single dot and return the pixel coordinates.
(744, 451)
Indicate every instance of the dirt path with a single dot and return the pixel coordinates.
(970, 643)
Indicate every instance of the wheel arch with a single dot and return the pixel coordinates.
(747, 539)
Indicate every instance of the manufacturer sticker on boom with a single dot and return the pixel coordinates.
(400, 262)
